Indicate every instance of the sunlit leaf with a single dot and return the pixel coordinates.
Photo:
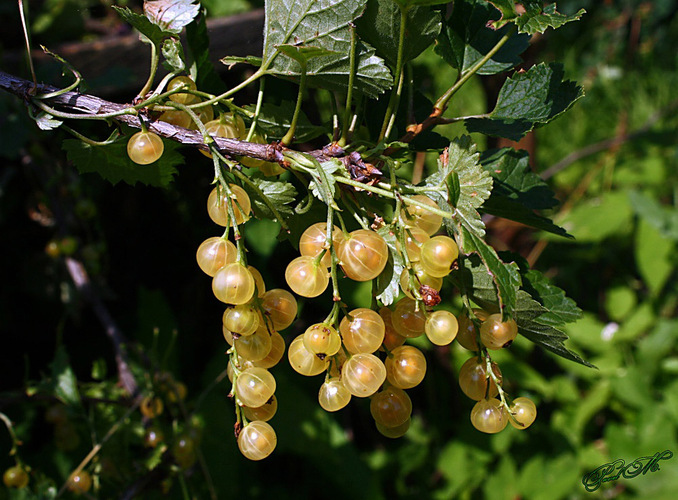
(380, 27)
(326, 24)
(171, 15)
(65, 385)
(388, 282)
(475, 185)
(527, 100)
(538, 18)
(150, 32)
(45, 121)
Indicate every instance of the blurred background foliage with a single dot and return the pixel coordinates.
(613, 161)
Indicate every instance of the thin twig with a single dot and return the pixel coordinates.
(84, 286)
(609, 143)
(87, 106)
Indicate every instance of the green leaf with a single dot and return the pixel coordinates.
(466, 38)
(380, 27)
(45, 121)
(388, 282)
(280, 194)
(173, 52)
(150, 31)
(538, 19)
(408, 3)
(171, 15)
(560, 308)
(517, 191)
(232, 60)
(65, 385)
(507, 8)
(527, 314)
(327, 25)
(594, 220)
(528, 100)
(475, 185)
(664, 219)
(113, 163)
(654, 256)
(514, 178)
(202, 69)
(275, 122)
(330, 167)
(504, 277)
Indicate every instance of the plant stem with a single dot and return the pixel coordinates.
(289, 136)
(28, 42)
(441, 103)
(93, 452)
(389, 194)
(394, 100)
(349, 94)
(87, 140)
(255, 76)
(154, 68)
(257, 110)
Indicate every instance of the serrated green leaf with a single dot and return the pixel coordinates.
(65, 385)
(475, 185)
(330, 167)
(326, 24)
(517, 191)
(388, 282)
(507, 9)
(527, 100)
(275, 121)
(514, 178)
(113, 163)
(171, 15)
(203, 71)
(560, 309)
(466, 38)
(151, 32)
(173, 52)
(505, 277)
(45, 121)
(279, 193)
(527, 314)
(538, 19)
(380, 27)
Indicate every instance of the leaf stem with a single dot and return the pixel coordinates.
(289, 136)
(257, 110)
(28, 43)
(441, 103)
(89, 141)
(389, 117)
(346, 122)
(389, 194)
(154, 67)
(255, 76)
